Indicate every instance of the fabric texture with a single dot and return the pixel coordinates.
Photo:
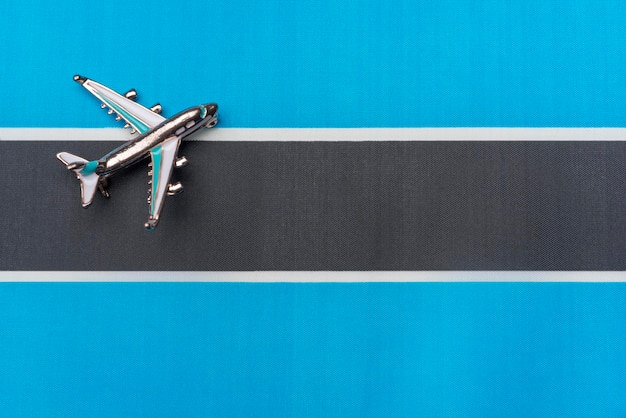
(328, 206)
(319, 349)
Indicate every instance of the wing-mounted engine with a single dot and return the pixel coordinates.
(131, 94)
(181, 162)
(157, 108)
(174, 188)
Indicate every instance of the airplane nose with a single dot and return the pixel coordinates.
(211, 108)
(211, 115)
(80, 79)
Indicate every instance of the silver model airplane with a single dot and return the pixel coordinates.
(159, 138)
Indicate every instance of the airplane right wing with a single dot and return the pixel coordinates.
(140, 118)
(163, 159)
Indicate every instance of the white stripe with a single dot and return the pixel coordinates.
(331, 134)
(313, 276)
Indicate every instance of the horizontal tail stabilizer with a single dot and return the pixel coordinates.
(70, 159)
(85, 172)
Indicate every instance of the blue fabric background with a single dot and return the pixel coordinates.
(321, 64)
(274, 350)
(316, 349)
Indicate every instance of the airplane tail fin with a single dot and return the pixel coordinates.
(85, 172)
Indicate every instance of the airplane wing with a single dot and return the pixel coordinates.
(163, 160)
(140, 118)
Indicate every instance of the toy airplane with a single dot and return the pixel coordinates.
(159, 138)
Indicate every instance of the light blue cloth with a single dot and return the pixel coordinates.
(321, 64)
(302, 350)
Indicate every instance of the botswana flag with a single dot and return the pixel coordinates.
(426, 162)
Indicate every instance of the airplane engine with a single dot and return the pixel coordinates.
(131, 94)
(174, 188)
(181, 162)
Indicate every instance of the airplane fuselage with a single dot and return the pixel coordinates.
(180, 125)
(159, 140)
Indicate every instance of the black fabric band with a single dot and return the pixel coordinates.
(325, 206)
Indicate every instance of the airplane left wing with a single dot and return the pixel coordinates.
(140, 118)
(163, 160)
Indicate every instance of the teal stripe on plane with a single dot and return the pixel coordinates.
(156, 154)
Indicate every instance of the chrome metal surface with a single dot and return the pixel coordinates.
(173, 189)
(181, 162)
(131, 94)
(159, 139)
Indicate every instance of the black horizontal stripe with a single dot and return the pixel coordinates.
(325, 206)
